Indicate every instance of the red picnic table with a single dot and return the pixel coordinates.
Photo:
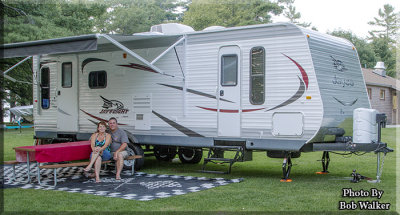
(52, 153)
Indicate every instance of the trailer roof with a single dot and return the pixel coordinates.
(74, 44)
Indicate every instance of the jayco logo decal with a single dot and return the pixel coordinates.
(338, 79)
(113, 107)
(339, 65)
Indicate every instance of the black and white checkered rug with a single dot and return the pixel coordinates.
(140, 186)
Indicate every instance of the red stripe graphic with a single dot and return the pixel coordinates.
(98, 118)
(229, 111)
(138, 66)
(303, 72)
(251, 110)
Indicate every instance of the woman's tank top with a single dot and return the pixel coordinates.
(100, 144)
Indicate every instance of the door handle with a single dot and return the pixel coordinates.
(58, 92)
(221, 93)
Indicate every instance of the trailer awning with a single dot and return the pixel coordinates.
(83, 43)
(96, 43)
(51, 46)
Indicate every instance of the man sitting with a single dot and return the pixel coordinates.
(118, 145)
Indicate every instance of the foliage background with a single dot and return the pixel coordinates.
(27, 20)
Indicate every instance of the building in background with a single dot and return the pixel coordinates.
(383, 92)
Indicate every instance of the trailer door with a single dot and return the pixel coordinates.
(229, 91)
(67, 94)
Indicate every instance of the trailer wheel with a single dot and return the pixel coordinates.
(164, 153)
(134, 149)
(190, 155)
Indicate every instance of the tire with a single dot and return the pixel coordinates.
(165, 153)
(134, 149)
(190, 155)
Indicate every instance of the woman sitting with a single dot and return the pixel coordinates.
(100, 144)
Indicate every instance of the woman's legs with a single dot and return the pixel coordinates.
(97, 167)
(94, 156)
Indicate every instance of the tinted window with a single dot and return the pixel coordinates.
(66, 71)
(257, 75)
(229, 70)
(97, 79)
(45, 87)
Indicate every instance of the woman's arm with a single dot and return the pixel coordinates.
(108, 142)
(92, 141)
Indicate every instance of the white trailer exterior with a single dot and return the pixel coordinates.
(313, 82)
(274, 87)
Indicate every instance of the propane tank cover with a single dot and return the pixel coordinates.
(365, 128)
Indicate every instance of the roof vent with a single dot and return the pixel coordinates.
(212, 28)
(171, 28)
(380, 69)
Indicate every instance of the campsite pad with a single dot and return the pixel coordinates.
(141, 186)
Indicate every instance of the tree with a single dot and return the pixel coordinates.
(383, 40)
(132, 16)
(291, 13)
(388, 22)
(229, 13)
(365, 50)
(386, 53)
(37, 20)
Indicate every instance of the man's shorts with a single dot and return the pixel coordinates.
(124, 154)
(105, 156)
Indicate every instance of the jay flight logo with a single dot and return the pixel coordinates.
(113, 107)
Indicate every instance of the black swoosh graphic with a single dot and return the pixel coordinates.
(180, 128)
(196, 92)
(346, 103)
(292, 99)
(88, 60)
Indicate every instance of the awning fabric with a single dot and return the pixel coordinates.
(91, 42)
(51, 46)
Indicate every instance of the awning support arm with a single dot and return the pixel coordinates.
(11, 68)
(167, 50)
(133, 54)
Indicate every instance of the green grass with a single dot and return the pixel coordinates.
(260, 191)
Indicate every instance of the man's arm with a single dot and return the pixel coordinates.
(122, 147)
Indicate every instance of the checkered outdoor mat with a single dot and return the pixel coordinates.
(140, 186)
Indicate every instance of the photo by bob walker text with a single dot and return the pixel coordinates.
(363, 205)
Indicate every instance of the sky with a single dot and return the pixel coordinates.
(330, 15)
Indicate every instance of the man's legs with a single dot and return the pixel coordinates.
(120, 164)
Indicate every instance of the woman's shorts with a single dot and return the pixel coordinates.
(105, 156)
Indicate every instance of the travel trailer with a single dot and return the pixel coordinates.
(278, 88)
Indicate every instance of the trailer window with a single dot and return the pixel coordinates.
(45, 87)
(229, 70)
(66, 73)
(97, 79)
(257, 76)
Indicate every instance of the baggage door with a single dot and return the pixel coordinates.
(229, 91)
(67, 94)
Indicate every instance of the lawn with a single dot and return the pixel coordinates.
(261, 190)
